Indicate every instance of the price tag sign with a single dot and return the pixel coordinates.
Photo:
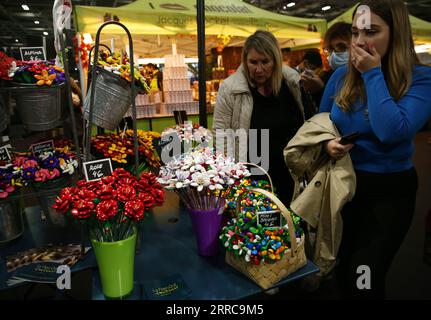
(269, 219)
(97, 169)
(4, 154)
(42, 147)
(32, 53)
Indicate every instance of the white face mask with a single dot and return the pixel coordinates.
(338, 59)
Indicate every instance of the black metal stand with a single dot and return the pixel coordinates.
(70, 103)
(93, 88)
(201, 52)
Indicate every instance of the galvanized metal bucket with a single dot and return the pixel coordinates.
(52, 216)
(40, 108)
(112, 99)
(4, 117)
(11, 223)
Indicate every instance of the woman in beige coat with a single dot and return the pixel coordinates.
(263, 95)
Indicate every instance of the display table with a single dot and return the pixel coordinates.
(166, 247)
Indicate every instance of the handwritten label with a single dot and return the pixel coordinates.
(269, 219)
(32, 53)
(97, 169)
(4, 154)
(42, 147)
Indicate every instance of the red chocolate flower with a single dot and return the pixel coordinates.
(126, 193)
(108, 180)
(62, 204)
(121, 173)
(127, 181)
(148, 177)
(82, 184)
(142, 186)
(82, 209)
(106, 210)
(135, 210)
(85, 194)
(147, 199)
(68, 192)
(159, 196)
(106, 192)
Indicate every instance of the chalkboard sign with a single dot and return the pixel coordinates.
(32, 53)
(174, 148)
(180, 117)
(4, 154)
(269, 219)
(42, 147)
(97, 169)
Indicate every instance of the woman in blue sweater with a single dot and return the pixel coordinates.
(385, 94)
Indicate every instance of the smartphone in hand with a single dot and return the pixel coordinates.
(350, 138)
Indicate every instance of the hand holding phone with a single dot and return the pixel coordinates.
(349, 139)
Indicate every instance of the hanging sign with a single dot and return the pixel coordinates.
(97, 169)
(42, 147)
(269, 219)
(32, 53)
(4, 154)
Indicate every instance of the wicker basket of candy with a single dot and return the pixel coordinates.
(262, 246)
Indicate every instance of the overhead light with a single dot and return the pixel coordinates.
(16, 40)
(36, 22)
(291, 4)
(25, 7)
(326, 8)
(45, 33)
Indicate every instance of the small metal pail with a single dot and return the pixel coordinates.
(112, 99)
(40, 108)
(11, 223)
(54, 218)
(4, 116)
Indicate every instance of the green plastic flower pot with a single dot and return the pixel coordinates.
(116, 264)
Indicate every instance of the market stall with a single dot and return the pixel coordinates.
(156, 22)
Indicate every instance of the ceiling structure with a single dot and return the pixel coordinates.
(18, 26)
(313, 8)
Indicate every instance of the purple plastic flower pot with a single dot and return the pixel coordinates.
(207, 225)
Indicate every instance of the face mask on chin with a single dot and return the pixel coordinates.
(338, 59)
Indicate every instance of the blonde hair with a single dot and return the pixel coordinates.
(397, 64)
(264, 43)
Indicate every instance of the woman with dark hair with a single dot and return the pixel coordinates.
(384, 94)
(337, 44)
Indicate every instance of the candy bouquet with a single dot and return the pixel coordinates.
(263, 251)
(246, 238)
(237, 190)
(189, 135)
(119, 64)
(203, 180)
(37, 72)
(113, 205)
(113, 208)
(48, 169)
(119, 147)
(10, 180)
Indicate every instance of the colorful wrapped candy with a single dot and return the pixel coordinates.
(245, 184)
(246, 238)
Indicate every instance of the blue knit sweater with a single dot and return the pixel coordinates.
(387, 127)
